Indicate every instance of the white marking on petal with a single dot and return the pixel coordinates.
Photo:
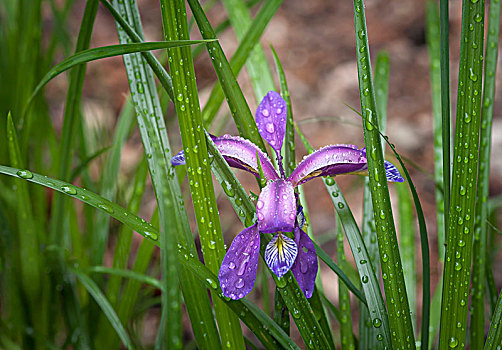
(280, 254)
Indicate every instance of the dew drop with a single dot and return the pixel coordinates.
(239, 283)
(377, 322)
(106, 208)
(270, 127)
(69, 190)
(25, 174)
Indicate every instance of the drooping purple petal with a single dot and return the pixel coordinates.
(276, 207)
(280, 254)
(178, 159)
(239, 153)
(305, 267)
(329, 160)
(271, 117)
(393, 175)
(238, 269)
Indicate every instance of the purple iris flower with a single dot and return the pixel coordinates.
(277, 206)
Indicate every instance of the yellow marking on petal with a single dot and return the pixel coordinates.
(312, 174)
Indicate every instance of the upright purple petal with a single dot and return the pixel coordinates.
(271, 119)
(280, 254)
(239, 153)
(305, 267)
(276, 207)
(329, 160)
(393, 175)
(238, 270)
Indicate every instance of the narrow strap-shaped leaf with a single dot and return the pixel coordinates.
(127, 274)
(226, 72)
(444, 28)
(109, 180)
(347, 339)
(371, 288)
(397, 301)
(288, 287)
(315, 301)
(367, 337)
(197, 159)
(257, 66)
(28, 240)
(121, 258)
(58, 235)
(340, 273)
(407, 234)
(433, 43)
(480, 250)
(105, 306)
(137, 224)
(457, 267)
(494, 338)
(108, 51)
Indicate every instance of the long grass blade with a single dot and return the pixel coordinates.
(98, 53)
(58, 235)
(407, 234)
(397, 301)
(494, 338)
(116, 211)
(367, 338)
(346, 336)
(127, 274)
(457, 269)
(197, 159)
(229, 70)
(257, 66)
(121, 258)
(444, 28)
(477, 330)
(29, 251)
(434, 46)
(103, 303)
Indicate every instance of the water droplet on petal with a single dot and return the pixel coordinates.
(231, 265)
(270, 127)
(239, 283)
(265, 113)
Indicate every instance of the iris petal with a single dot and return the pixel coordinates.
(271, 117)
(305, 267)
(239, 153)
(392, 173)
(280, 254)
(276, 207)
(329, 160)
(238, 270)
